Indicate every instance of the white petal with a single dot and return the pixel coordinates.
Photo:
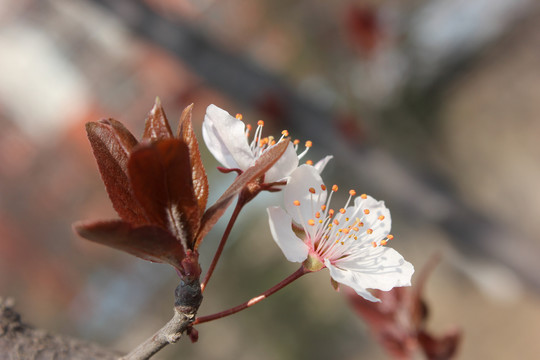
(225, 137)
(303, 178)
(284, 166)
(321, 164)
(293, 248)
(377, 211)
(383, 269)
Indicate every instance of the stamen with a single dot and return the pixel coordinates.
(312, 190)
(311, 222)
(336, 221)
(309, 162)
(296, 142)
(317, 214)
(381, 217)
(366, 211)
(323, 187)
(240, 117)
(323, 207)
(374, 244)
(352, 192)
(342, 211)
(296, 203)
(363, 196)
(285, 133)
(334, 188)
(369, 231)
(383, 242)
(309, 144)
(390, 237)
(260, 123)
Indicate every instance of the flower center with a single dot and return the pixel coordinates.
(336, 234)
(260, 144)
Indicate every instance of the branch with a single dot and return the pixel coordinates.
(22, 341)
(168, 334)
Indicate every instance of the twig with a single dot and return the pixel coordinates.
(297, 274)
(168, 334)
(239, 205)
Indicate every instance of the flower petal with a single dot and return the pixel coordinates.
(301, 180)
(321, 164)
(383, 268)
(225, 137)
(375, 216)
(284, 166)
(293, 248)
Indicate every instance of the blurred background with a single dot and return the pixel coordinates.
(432, 106)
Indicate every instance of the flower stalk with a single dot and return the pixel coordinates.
(294, 276)
(239, 205)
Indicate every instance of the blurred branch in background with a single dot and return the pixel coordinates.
(420, 197)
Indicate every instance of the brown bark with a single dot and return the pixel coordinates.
(22, 341)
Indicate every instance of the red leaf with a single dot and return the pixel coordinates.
(442, 348)
(147, 242)
(198, 174)
(261, 166)
(157, 126)
(160, 175)
(112, 144)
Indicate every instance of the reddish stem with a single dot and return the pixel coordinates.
(298, 273)
(239, 205)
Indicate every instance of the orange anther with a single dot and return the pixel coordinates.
(248, 127)
(296, 142)
(317, 214)
(374, 244)
(309, 162)
(390, 237)
(309, 144)
(323, 187)
(273, 143)
(345, 231)
(260, 123)
(239, 116)
(342, 210)
(336, 221)
(285, 133)
(331, 212)
(311, 222)
(366, 211)
(381, 217)
(383, 242)
(312, 190)
(334, 188)
(363, 196)
(323, 207)
(360, 224)
(296, 203)
(369, 231)
(352, 192)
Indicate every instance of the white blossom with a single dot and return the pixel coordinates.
(350, 242)
(227, 138)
